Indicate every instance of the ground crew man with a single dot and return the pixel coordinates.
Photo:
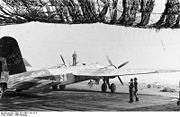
(74, 58)
(136, 88)
(131, 91)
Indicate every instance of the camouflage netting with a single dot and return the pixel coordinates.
(146, 10)
(136, 13)
(170, 16)
(130, 9)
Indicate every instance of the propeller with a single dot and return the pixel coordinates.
(120, 66)
(120, 80)
(63, 60)
(109, 61)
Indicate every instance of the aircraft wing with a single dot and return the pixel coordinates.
(142, 72)
(119, 72)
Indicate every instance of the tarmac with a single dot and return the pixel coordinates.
(80, 97)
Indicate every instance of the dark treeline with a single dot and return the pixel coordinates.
(135, 13)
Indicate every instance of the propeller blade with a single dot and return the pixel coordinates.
(109, 60)
(120, 80)
(63, 60)
(123, 64)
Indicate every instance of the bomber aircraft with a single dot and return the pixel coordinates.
(15, 77)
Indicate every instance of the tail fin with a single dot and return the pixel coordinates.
(9, 49)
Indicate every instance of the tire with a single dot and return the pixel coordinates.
(62, 87)
(55, 87)
(113, 88)
(178, 103)
(104, 87)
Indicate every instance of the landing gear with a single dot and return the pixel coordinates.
(113, 88)
(55, 87)
(58, 87)
(178, 103)
(104, 87)
(62, 87)
(106, 83)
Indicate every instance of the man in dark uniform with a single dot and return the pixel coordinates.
(74, 58)
(136, 88)
(131, 90)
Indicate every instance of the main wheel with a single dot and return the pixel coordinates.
(178, 103)
(55, 87)
(62, 87)
(104, 87)
(113, 88)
